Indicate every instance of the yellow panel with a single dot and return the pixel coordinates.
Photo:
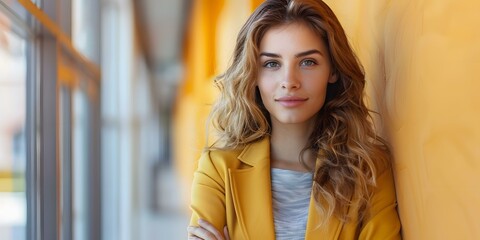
(6, 181)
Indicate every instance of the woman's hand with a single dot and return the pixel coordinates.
(206, 231)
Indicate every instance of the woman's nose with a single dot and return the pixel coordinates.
(290, 80)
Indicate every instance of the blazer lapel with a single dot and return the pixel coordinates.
(251, 191)
(314, 231)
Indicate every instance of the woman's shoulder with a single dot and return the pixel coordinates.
(382, 164)
(380, 156)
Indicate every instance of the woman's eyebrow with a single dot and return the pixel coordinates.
(302, 54)
(266, 54)
(306, 53)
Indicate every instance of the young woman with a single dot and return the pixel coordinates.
(297, 156)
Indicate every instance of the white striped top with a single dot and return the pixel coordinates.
(290, 197)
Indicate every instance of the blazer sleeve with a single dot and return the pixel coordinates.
(208, 193)
(382, 221)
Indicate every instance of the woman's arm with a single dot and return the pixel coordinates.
(206, 231)
(381, 221)
(208, 193)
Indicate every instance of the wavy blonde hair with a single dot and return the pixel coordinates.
(344, 137)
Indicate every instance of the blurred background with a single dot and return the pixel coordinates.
(103, 107)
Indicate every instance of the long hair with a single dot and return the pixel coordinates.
(343, 138)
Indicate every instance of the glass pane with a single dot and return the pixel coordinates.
(13, 74)
(80, 165)
(85, 27)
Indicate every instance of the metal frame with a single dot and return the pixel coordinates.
(33, 111)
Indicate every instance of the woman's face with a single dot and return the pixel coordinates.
(294, 70)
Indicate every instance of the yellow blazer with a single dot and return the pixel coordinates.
(233, 188)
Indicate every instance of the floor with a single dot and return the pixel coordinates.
(170, 222)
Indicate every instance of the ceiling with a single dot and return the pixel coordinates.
(162, 25)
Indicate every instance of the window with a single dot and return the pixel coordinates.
(47, 182)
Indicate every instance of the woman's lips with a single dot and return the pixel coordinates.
(291, 101)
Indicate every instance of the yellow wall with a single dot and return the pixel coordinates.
(422, 58)
(196, 91)
(213, 28)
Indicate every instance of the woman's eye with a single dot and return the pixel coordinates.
(308, 62)
(271, 65)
